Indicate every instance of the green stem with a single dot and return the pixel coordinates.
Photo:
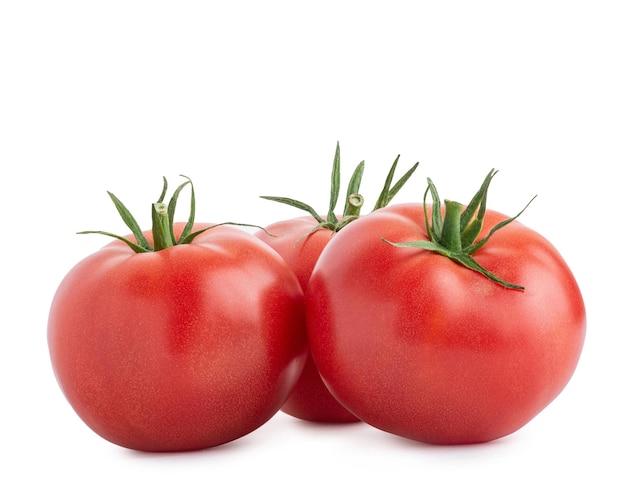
(353, 207)
(354, 201)
(162, 222)
(161, 228)
(454, 234)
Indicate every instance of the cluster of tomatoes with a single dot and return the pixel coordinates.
(440, 322)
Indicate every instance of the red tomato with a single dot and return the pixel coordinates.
(310, 399)
(183, 348)
(420, 346)
(300, 241)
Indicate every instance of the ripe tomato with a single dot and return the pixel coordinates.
(310, 399)
(187, 347)
(421, 346)
(300, 241)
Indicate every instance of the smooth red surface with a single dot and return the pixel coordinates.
(292, 239)
(186, 348)
(419, 346)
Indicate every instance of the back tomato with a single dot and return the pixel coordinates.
(292, 239)
(185, 348)
(300, 241)
(422, 347)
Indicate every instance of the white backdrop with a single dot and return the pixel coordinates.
(249, 98)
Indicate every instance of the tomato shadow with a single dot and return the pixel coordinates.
(360, 433)
(227, 448)
(325, 425)
(459, 448)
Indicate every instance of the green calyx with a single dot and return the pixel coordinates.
(454, 235)
(162, 222)
(354, 201)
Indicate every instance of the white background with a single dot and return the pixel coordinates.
(249, 98)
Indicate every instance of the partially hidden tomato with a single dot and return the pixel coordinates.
(445, 324)
(177, 338)
(300, 241)
(309, 399)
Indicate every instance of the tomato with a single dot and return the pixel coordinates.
(183, 348)
(417, 344)
(300, 241)
(310, 399)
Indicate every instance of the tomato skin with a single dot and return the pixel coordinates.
(185, 348)
(310, 400)
(421, 347)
